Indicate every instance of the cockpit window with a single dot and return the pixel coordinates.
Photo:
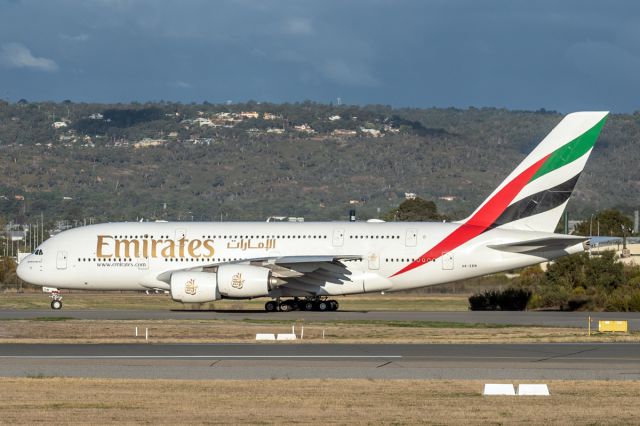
(38, 252)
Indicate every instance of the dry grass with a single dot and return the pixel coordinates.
(99, 401)
(226, 331)
(141, 301)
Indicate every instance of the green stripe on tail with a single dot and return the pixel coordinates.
(571, 151)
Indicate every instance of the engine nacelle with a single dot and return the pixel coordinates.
(239, 281)
(194, 287)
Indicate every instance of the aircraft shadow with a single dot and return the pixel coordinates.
(246, 311)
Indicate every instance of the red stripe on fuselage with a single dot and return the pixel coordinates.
(480, 221)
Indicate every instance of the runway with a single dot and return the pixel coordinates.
(557, 319)
(585, 361)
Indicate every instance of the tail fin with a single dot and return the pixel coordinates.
(536, 193)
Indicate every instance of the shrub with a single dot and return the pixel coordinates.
(510, 299)
(624, 299)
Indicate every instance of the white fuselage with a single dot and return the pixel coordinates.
(140, 256)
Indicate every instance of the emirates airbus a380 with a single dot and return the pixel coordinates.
(301, 265)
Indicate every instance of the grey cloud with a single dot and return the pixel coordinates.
(16, 55)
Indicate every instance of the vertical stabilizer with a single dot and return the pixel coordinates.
(534, 196)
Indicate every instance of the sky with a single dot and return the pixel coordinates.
(559, 55)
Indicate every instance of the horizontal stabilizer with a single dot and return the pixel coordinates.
(540, 245)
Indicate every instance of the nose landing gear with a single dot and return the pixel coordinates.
(56, 300)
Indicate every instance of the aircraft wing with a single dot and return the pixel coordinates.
(303, 274)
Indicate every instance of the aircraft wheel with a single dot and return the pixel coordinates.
(56, 304)
(333, 305)
(308, 306)
(286, 307)
(323, 306)
(270, 306)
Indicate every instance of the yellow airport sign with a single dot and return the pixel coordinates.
(612, 326)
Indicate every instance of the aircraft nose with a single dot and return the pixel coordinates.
(25, 271)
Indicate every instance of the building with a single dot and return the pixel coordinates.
(304, 128)
(148, 142)
(270, 116)
(410, 195)
(371, 132)
(343, 132)
(447, 198)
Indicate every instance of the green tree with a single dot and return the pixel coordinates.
(607, 223)
(416, 210)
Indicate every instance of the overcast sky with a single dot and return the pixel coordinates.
(562, 55)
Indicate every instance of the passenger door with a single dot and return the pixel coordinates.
(61, 260)
(180, 233)
(374, 261)
(447, 261)
(338, 237)
(411, 237)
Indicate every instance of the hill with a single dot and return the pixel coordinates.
(254, 160)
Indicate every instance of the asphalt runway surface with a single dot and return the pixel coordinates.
(557, 319)
(543, 361)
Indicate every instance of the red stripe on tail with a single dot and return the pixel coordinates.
(481, 220)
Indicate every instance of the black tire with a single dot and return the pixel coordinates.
(56, 304)
(308, 306)
(270, 306)
(333, 305)
(285, 307)
(323, 306)
(336, 305)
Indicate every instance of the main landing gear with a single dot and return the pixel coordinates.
(56, 300)
(308, 304)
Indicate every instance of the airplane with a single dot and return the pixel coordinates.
(306, 265)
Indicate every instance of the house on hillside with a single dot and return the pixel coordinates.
(410, 195)
(305, 128)
(371, 132)
(448, 198)
(344, 132)
(270, 116)
(148, 142)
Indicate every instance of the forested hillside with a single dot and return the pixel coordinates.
(250, 161)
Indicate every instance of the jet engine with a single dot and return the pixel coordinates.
(194, 287)
(232, 281)
(239, 281)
